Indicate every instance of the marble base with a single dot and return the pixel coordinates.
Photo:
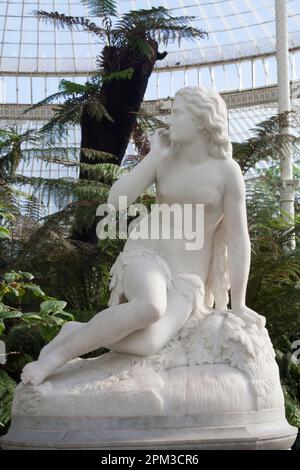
(155, 432)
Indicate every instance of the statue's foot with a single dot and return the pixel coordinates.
(36, 372)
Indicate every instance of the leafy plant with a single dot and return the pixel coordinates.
(17, 285)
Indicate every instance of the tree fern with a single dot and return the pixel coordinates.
(79, 98)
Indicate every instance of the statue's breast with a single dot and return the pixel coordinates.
(194, 187)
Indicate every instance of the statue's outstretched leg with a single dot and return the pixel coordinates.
(146, 291)
(67, 329)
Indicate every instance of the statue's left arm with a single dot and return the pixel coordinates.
(239, 246)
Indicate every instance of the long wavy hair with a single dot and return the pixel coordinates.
(207, 103)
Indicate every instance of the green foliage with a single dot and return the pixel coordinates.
(7, 388)
(23, 344)
(78, 98)
(266, 144)
(71, 22)
(156, 23)
(290, 380)
(10, 149)
(23, 339)
(5, 218)
(101, 8)
(16, 286)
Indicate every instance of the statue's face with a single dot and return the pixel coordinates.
(184, 126)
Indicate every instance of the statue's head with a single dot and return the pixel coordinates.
(201, 109)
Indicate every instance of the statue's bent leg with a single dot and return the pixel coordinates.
(146, 292)
(130, 288)
(151, 339)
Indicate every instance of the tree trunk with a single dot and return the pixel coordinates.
(121, 98)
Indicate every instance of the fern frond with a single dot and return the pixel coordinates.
(78, 22)
(64, 155)
(159, 24)
(92, 154)
(73, 88)
(7, 388)
(91, 190)
(120, 75)
(96, 109)
(101, 7)
(48, 100)
(148, 122)
(107, 173)
(60, 190)
(31, 207)
(140, 46)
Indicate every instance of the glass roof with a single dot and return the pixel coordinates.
(237, 29)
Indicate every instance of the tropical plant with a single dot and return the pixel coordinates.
(106, 105)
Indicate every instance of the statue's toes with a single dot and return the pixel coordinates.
(30, 374)
(35, 381)
(24, 378)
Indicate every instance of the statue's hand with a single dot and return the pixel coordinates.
(160, 142)
(250, 315)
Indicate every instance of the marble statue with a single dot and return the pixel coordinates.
(179, 358)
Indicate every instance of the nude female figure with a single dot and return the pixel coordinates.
(197, 168)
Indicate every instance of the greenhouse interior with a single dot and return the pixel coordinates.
(87, 90)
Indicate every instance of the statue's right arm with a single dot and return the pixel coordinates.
(134, 183)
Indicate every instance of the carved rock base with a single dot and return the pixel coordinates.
(215, 385)
(189, 407)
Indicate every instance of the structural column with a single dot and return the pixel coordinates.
(287, 183)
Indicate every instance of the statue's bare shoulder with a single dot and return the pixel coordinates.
(233, 178)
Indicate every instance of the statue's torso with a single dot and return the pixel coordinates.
(180, 183)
